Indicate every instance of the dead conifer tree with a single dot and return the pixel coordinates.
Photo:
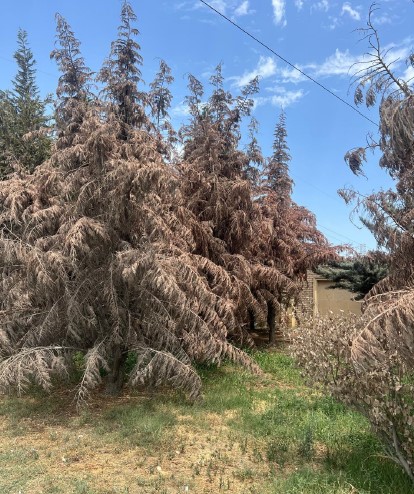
(121, 76)
(217, 182)
(213, 166)
(96, 255)
(74, 86)
(383, 349)
(213, 186)
(160, 98)
(388, 213)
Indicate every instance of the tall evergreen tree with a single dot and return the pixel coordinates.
(296, 242)
(122, 76)
(278, 180)
(357, 274)
(24, 139)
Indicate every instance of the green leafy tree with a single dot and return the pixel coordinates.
(24, 133)
(358, 275)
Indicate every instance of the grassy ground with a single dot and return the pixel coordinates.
(267, 434)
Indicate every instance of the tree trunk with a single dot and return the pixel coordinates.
(271, 322)
(115, 377)
(252, 322)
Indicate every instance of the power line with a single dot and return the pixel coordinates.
(309, 184)
(287, 62)
(333, 239)
(340, 234)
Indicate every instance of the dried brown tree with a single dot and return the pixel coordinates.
(389, 214)
(96, 255)
(384, 345)
(219, 184)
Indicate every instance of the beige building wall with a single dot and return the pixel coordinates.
(333, 300)
(318, 298)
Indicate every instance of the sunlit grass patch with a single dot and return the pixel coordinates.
(250, 434)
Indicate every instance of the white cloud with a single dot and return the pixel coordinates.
(337, 64)
(236, 8)
(266, 67)
(287, 98)
(279, 12)
(180, 110)
(292, 75)
(408, 75)
(334, 22)
(398, 53)
(299, 4)
(321, 5)
(383, 19)
(219, 5)
(282, 98)
(343, 63)
(349, 10)
(242, 9)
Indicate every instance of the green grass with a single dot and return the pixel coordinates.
(250, 434)
(147, 423)
(331, 447)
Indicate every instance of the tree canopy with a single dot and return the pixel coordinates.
(24, 131)
(357, 274)
(113, 247)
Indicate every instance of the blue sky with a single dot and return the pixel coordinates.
(316, 35)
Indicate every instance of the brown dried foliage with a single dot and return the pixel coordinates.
(388, 214)
(107, 249)
(383, 391)
(95, 257)
(368, 361)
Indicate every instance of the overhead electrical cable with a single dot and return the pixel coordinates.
(340, 234)
(287, 61)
